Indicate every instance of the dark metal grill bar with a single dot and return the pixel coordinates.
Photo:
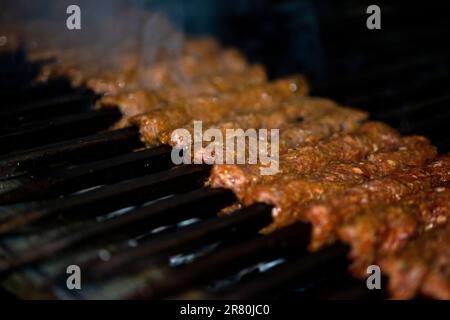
(19, 77)
(52, 88)
(66, 127)
(48, 183)
(246, 221)
(97, 146)
(163, 212)
(312, 266)
(109, 198)
(290, 241)
(49, 108)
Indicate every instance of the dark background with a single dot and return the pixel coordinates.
(324, 39)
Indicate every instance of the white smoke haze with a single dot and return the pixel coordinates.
(115, 34)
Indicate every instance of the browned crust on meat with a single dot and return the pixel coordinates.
(423, 266)
(372, 136)
(378, 229)
(210, 109)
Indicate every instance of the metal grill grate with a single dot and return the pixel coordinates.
(73, 193)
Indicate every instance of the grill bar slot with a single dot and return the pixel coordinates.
(160, 213)
(22, 96)
(302, 270)
(289, 241)
(49, 183)
(98, 146)
(20, 76)
(49, 108)
(59, 129)
(110, 198)
(243, 222)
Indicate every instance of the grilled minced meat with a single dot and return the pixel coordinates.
(423, 266)
(355, 181)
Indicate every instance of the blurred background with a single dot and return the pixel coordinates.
(324, 39)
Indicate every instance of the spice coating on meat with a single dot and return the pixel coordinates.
(290, 114)
(370, 137)
(315, 124)
(378, 229)
(326, 216)
(211, 109)
(290, 191)
(423, 266)
(135, 102)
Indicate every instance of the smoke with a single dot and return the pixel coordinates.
(111, 31)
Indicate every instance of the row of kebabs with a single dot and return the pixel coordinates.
(353, 180)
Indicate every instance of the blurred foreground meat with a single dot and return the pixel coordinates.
(423, 266)
(377, 229)
(112, 74)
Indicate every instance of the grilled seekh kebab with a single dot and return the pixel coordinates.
(326, 215)
(423, 266)
(305, 179)
(135, 102)
(377, 229)
(79, 65)
(306, 120)
(369, 138)
(289, 113)
(290, 190)
(210, 109)
(168, 73)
